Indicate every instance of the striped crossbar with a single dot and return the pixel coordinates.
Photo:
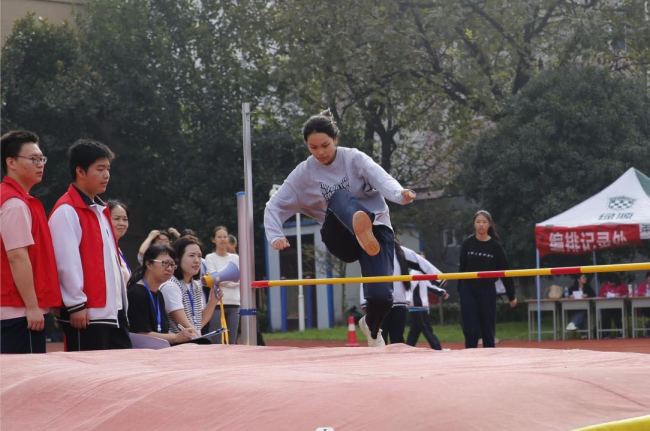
(623, 267)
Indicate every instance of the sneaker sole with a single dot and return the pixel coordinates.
(372, 342)
(362, 227)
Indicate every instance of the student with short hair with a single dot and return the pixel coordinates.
(94, 295)
(30, 284)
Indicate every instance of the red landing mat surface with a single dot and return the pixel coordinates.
(283, 388)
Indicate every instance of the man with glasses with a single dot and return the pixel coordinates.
(29, 278)
(94, 295)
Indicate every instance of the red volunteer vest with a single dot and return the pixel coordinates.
(41, 254)
(91, 247)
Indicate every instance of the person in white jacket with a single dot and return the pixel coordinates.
(345, 191)
(405, 294)
(87, 257)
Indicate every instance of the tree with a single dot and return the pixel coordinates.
(162, 84)
(423, 77)
(567, 134)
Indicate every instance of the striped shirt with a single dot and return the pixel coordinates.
(188, 297)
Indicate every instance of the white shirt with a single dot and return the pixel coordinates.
(231, 292)
(176, 297)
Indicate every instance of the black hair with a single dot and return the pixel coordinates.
(12, 142)
(179, 248)
(191, 234)
(149, 256)
(577, 278)
(164, 232)
(492, 230)
(84, 153)
(112, 203)
(217, 229)
(321, 123)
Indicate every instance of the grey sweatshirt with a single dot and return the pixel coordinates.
(311, 184)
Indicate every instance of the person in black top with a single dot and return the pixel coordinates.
(478, 297)
(146, 303)
(582, 285)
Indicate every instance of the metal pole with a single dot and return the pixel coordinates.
(593, 259)
(301, 296)
(248, 311)
(646, 10)
(538, 283)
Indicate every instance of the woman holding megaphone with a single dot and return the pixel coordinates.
(185, 305)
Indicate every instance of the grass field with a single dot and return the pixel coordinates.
(446, 333)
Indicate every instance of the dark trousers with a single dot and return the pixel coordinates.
(339, 238)
(394, 324)
(421, 323)
(611, 319)
(478, 307)
(98, 336)
(16, 338)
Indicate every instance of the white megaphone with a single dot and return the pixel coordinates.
(229, 273)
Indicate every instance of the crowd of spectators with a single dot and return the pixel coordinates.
(71, 265)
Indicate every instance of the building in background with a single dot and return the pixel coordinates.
(55, 11)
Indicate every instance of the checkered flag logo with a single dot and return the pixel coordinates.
(620, 203)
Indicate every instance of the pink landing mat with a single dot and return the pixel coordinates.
(284, 388)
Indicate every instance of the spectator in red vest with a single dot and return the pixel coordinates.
(94, 294)
(29, 280)
(614, 288)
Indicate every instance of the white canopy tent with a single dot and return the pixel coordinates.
(617, 216)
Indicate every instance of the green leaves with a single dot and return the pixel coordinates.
(567, 135)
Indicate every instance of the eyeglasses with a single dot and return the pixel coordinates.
(35, 160)
(166, 263)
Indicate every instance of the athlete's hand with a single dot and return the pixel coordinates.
(79, 319)
(513, 303)
(35, 319)
(280, 244)
(408, 196)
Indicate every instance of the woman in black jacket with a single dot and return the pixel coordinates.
(482, 251)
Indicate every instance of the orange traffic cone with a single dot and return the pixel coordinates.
(352, 333)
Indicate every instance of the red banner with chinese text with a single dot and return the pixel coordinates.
(584, 239)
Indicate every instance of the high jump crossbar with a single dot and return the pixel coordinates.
(642, 266)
